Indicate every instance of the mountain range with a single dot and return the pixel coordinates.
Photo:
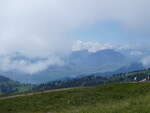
(82, 63)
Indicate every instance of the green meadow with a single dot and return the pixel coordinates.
(110, 98)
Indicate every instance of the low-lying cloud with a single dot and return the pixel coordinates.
(146, 61)
(27, 65)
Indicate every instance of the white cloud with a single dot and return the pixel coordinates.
(96, 46)
(146, 61)
(38, 28)
(27, 66)
(90, 46)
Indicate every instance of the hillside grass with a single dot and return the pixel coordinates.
(110, 98)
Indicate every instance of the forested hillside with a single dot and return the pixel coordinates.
(94, 79)
(9, 86)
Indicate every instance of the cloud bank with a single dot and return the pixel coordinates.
(96, 46)
(38, 29)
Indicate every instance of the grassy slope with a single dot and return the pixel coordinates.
(112, 98)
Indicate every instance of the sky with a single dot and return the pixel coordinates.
(47, 29)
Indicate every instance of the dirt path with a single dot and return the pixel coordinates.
(33, 93)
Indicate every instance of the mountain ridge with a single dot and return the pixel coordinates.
(79, 63)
